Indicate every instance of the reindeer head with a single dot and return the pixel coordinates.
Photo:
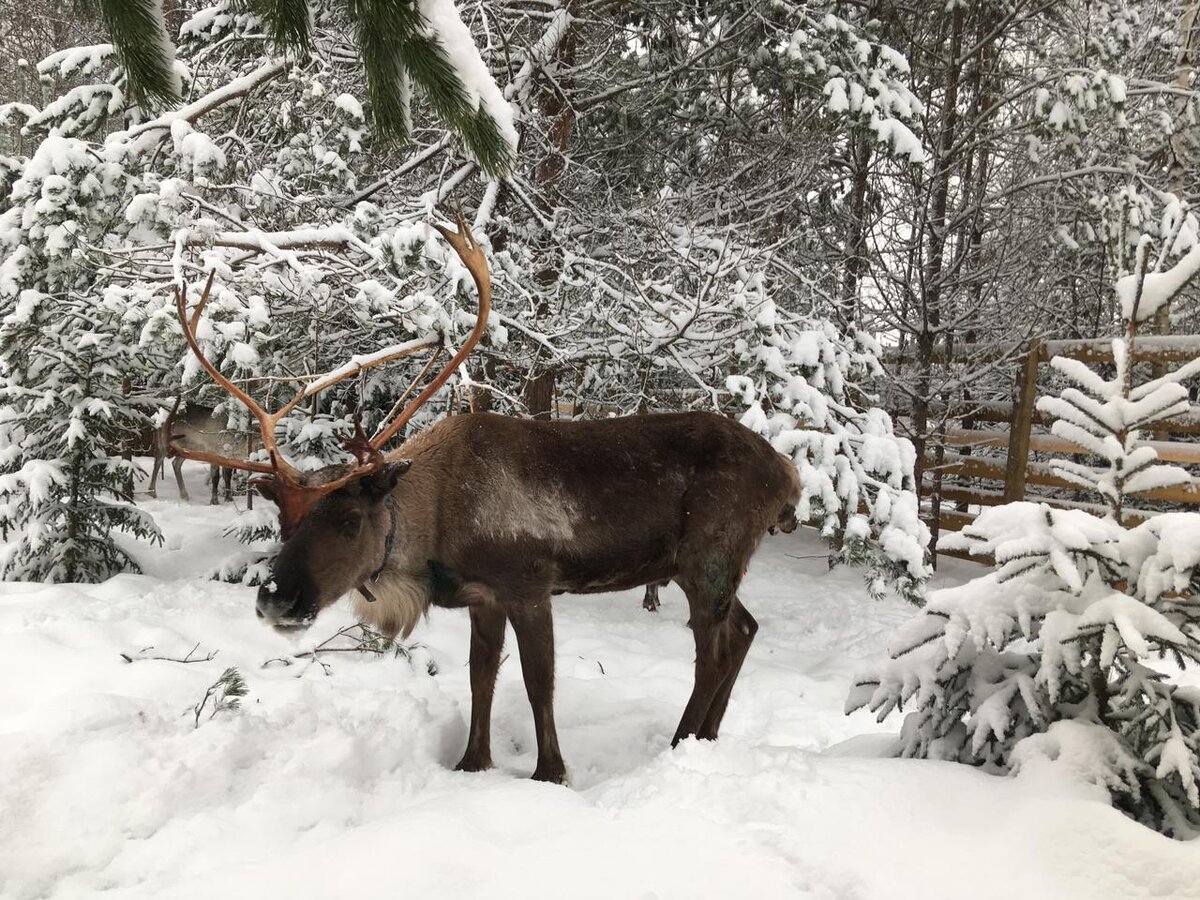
(343, 542)
(338, 523)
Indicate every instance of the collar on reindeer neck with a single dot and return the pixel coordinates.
(388, 545)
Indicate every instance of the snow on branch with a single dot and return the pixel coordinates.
(335, 237)
(279, 244)
(443, 19)
(235, 89)
(1157, 288)
(76, 60)
(366, 361)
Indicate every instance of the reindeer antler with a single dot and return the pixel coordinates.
(473, 258)
(266, 421)
(283, 482)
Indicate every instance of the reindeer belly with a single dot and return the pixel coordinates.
(615, 568)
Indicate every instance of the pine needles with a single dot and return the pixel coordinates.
(226, 694)
(139, 32)
(399, 47)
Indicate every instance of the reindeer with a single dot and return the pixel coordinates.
(199, 427)
(498, 514)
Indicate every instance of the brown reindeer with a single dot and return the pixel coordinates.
(498, 514)
(201, 428)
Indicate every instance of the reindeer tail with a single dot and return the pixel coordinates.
(787, 521)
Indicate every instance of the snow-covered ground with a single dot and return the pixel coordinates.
(339, 784)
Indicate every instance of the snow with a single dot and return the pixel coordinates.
(131, 140)
(899, 138)
(1117, 91)
(349, 104)
(835, 89)
(1163, 550)
(539, 54)
(339, 784)
(444, 20)
(82, 60)
(1158, 287)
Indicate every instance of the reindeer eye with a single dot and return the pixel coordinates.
(351, 523)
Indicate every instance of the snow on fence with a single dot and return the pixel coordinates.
(964, 482)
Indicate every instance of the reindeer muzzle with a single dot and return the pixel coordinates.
(284, 613)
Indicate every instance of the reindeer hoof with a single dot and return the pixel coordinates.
(553, 773)
(472, 763)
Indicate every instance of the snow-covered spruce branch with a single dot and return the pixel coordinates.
(226, 694)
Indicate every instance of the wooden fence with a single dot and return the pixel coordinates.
(965, 480)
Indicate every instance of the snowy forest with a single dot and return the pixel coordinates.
(940, 256)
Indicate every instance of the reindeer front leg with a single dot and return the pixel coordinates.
(487, 640)
(534, 626)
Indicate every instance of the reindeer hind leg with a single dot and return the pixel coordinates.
(711, 600)
(712, 561)
(534, 626)
(152, 490)
(740, 629)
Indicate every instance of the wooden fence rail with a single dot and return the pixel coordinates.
(968, 482)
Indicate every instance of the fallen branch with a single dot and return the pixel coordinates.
(140, 655)
(367, 640)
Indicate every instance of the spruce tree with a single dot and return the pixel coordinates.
(64, 360)
(1067, 649)
(806, 390)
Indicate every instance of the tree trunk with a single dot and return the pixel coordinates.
(555, 106)
(935, 228)
(539, 394)
(856, 232)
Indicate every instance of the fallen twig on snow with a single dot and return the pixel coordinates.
(140, 655)
(226, 693)
(366, 640)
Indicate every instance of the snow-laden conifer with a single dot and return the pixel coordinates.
(1066, 650)
(806, 391)
(64, 362)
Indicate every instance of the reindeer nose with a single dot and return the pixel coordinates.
(289, 609)
(274, 604)
(265, 605)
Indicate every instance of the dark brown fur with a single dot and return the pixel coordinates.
(498, 514)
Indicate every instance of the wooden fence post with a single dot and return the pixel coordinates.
(1022, 424)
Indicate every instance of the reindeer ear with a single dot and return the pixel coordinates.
(382, 482)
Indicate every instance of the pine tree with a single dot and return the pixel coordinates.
(1065, 649)
(402, 43)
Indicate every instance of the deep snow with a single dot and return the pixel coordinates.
(340, 785)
